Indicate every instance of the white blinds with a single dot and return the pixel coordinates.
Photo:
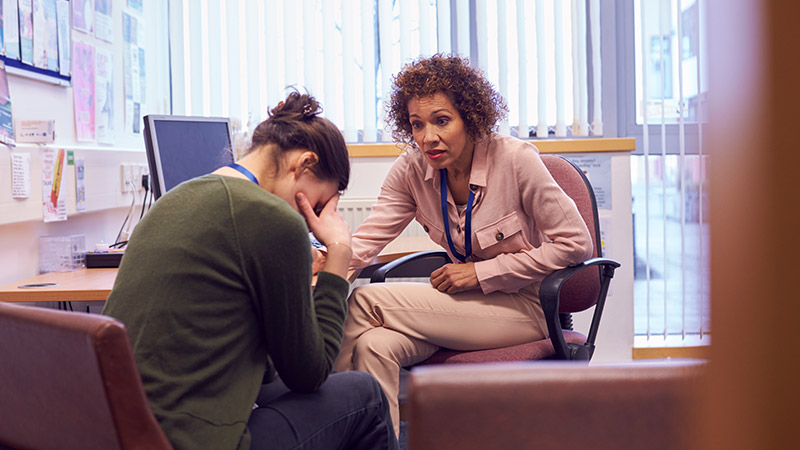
(236, 57)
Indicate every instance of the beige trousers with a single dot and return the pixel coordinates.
(393, 325)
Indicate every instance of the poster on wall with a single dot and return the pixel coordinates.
(135, 4)
(83, 90)
(597, 169)
(51, 38)
(64, 49)
(26, 31)
(11, 29)
(133, 64)
(39, 35)
(103, 25)
(6, 122)
(54, 204)
(83, 15)
(80, 184)
(104, 96)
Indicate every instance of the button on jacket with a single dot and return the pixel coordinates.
(523, 225)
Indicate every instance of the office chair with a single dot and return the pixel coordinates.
(70, 382)
(563, 292)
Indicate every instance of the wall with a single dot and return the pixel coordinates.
(21, 219)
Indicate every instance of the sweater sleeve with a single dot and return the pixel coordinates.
(302, 329)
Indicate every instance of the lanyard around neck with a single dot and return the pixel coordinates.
(467, 224)
(244, 170)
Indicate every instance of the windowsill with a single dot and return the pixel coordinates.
(673, 346)
(579, 145)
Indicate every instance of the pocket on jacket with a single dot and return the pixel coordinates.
(502, 236)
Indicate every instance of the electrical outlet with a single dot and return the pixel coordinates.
(127, 177)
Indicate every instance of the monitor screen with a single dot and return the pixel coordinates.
(180, 148)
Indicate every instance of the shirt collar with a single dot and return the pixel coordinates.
(477, 175)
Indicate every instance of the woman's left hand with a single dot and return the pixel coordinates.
(454, 278)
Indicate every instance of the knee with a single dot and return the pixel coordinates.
(361, 385)
(371, 345)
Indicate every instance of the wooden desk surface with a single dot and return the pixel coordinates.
(78, 285)
(96, 284)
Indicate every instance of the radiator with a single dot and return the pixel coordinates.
(355, 210)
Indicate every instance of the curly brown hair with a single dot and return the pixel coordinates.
(473, 96)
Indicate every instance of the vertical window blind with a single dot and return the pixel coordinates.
(235, 58)
(671, 291)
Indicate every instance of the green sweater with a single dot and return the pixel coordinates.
(215, 291)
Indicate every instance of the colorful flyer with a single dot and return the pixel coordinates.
(135, 4)
(80, 184)
(11, 29)
(104, 92)
(26, 31)
(83, 90)
(83, 15)
(6, 122)
(51, 38)
(39, 35)
(64, 37)
(54, 205)
(103, 25)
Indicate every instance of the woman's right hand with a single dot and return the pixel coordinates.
(331, 229)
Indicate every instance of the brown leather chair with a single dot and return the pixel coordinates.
(555, 405)
(69, 381)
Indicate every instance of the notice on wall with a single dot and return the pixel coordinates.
(21, 175)
(104, 96)
(104, 26)
(80, 184)
(83, 15)
(597, 169)
(83, 90)
(54, 204)
(64, 38)
(11, 29)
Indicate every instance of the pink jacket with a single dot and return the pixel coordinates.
(523, 225)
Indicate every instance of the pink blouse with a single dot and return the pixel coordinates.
(523, 225)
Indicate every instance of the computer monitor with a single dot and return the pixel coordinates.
(180, 148)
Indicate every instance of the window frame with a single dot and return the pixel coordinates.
(626, 96)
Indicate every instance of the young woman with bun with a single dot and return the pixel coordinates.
(234, 346)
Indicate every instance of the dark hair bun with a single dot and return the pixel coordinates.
(297, 106)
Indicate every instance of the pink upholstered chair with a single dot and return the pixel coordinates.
(69, 381)
(562, 293)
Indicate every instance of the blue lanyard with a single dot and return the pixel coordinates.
(467, 225)
(244, 170)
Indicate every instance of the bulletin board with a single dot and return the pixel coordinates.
(85, 65)
(35, 39)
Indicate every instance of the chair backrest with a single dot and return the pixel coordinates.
(556, 405)
(69, 381)
(581, 291)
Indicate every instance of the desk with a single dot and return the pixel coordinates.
(96, 284)
(78, 285)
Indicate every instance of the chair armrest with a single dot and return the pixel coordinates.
(419, 264)
(549, 293)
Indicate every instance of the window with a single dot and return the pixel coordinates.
(235, 58)
(670, 199)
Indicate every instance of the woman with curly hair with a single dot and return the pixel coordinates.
(485, 198)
